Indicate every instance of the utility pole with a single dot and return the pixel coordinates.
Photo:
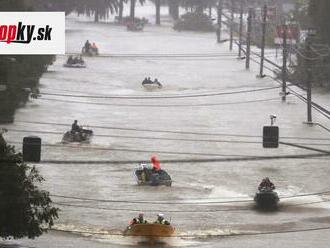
(263, 41)
(219, 10)
(284, 68)
(231, 25)
(248, 40)
(309, 77)
(240, 30)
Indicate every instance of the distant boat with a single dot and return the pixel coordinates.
(84, 136)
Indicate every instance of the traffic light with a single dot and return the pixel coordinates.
(270, 137)
(31, 149)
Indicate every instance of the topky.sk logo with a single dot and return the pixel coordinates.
(32, 33)
(21, 33)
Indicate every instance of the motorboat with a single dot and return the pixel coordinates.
(75, 65)
(90, 52)
(266, 198)
(149, 176)
(152, 85)
(150, 230)
(84, 136)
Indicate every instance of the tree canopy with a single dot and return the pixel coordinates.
(319, 12)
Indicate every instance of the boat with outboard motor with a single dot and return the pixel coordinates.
(150, 230)
(75, 65)
(90, 52)
(266, 198)
(146, 175)
(151, 85)
(135, 27)
(83, 136)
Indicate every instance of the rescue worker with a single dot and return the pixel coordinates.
(87, 46)
(80, 60)
(161, 220)
(141, 219)
(75, 127)
(94, 45)
(75, 60)
(70, 60)
(95, 48)
(266, 183)
(138, 220)
(155, 163)
(144, 173)
(145, 81)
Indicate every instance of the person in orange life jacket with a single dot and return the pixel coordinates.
(94, 46)
(155, 163)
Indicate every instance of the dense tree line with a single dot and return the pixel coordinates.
(319, 59)
(319, 13)
(18, 74)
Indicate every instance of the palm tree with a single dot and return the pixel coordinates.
(173, 6)
(132, 8)
(197, 5)
(98, 8)
(157, 5)
(121, 9)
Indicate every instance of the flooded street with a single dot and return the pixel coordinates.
(210, 108)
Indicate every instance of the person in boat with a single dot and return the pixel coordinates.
(139, 220)
(144, 173)
(87, 46)
(75, 128)
(149, 81)
(70, 60)
(75, 60)
(161, 220)
(2, 143)
(155, 164)
(145, 81)
(156, 81)
(266, 183)
(80, 60)
(94, 47)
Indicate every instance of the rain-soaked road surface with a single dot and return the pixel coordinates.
(232, 123)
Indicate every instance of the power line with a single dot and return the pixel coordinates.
(183, 201)
(167, 131)
(237, 209)
(161, 55)
(161, 97)
(150, 138)
(161, 105)
(143, 151)
(184, 161)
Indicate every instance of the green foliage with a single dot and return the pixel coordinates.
(197, 5)
(25, 210)
(194, 22)
(318, 12)
(19, 72)
(97, 8)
